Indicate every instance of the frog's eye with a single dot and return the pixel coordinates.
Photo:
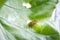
(32, 23)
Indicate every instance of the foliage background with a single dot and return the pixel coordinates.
(14, 17)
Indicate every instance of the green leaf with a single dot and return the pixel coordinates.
(42, 9)
(53, 37)
(11, 30)
(2, 2)
(6, 26)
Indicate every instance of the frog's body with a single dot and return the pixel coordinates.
(45, 29)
